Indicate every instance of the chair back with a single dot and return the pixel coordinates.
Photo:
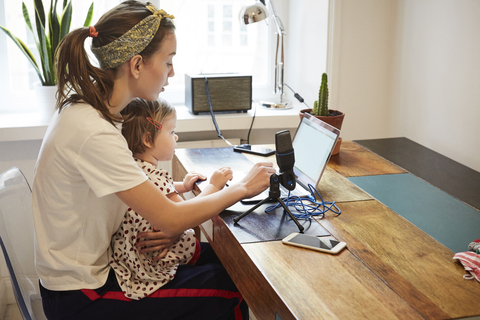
(17, 241)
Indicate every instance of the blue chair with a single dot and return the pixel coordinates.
(17, 242)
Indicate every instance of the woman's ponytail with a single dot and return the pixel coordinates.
(78, 80)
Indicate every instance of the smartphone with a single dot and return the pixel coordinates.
(326, 244)
(257, 150)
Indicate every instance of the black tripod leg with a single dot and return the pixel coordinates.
(250, 210)
(300, 227)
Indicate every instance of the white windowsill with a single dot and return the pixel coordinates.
(33, 125)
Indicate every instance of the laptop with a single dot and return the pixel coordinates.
(313, 145)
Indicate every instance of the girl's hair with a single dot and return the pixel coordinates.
(136, 125)
(78, 79)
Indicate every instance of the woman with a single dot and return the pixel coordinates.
(85, 178)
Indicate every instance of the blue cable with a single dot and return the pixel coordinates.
(306, 211)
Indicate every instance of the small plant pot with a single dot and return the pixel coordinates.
(335, 119)
(45, 99)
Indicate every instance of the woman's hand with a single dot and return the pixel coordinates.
(258, 178)
(220, 177)
(155, 241)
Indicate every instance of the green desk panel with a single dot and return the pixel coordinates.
(445, 218)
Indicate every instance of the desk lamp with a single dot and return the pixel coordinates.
(258, 12)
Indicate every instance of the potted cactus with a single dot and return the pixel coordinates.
(58, 27)
(321, 111)
(320, 106)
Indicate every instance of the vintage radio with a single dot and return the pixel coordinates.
(229, 92)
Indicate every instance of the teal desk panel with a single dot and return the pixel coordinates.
(446, 174)
(445, 218)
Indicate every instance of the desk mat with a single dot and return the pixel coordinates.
(259, 226)
(445, 218)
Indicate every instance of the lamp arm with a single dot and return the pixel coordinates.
(279, 54)
(277, 20)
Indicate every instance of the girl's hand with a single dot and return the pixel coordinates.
(221, 176)
(155, 241)
(190, 179)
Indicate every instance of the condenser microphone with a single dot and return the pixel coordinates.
(285, 158)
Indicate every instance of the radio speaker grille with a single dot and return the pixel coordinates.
(228, 93)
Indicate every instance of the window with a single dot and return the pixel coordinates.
(210, 40)
(211, 26)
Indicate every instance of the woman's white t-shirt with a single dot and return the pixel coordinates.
(84, 160)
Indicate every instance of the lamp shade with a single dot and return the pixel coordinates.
(253, 13)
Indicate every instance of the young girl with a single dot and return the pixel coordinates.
(150, 133)
(85, 179)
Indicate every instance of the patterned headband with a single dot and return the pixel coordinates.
(132, 42)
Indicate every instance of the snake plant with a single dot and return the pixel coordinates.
(320, 106)
(58, 27)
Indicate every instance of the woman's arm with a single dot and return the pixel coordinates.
(157, 241)
(175, 217)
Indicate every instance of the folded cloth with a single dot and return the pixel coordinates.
(471, 263)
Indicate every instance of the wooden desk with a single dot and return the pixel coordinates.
(390, 269)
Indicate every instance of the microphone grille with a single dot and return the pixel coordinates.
(283, 142)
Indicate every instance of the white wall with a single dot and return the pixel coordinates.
(359, 60)
(22, 154)
(305, 51)
(437, 83)
(398, 68)
(360, 64)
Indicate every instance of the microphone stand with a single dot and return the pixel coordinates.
(274, 194)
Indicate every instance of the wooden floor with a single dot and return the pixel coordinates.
(448, 175)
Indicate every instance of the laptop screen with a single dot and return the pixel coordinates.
(313, 144)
